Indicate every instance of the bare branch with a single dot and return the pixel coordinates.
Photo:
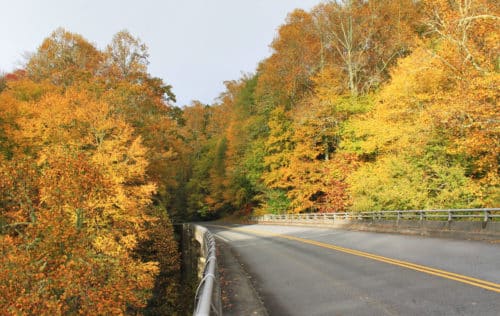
(478, 17)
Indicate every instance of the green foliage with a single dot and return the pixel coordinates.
(276, 202)
(246, 177)
(395, 184)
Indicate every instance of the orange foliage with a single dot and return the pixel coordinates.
(76, 187)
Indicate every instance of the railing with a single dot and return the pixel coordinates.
(483, 214)
(208, 296)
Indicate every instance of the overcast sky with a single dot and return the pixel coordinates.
(194, 45)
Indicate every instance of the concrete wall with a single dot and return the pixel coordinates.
(193, 256)
(475, 230)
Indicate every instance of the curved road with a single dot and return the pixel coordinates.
(319, 271)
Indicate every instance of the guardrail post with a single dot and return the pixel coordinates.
(399, 215)
(486, 215)
(450, 216)
(421, 215)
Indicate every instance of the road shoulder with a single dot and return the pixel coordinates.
(239, 297)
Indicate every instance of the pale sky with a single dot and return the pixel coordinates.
(194, 45)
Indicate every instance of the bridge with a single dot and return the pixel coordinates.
(306, 270)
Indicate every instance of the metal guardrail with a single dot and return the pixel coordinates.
(208, 295)
(482, 214)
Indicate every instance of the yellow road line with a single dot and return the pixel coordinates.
(491, 286)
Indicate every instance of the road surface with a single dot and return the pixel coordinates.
(319, 271)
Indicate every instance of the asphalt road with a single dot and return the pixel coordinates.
(318, 271)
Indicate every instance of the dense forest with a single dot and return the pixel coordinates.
(362, 105)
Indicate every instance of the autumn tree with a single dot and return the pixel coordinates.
(126, 56)
(410, 160)
(468, 32)
(245, 134)
(362, 39)
(86, 204)
(64, 58)
(79, 192)
(285, 76)
(3, 82)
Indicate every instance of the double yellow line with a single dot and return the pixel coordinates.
(491, 286)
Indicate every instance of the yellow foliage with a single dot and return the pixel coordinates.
(401, 120)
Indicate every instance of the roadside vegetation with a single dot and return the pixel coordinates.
(363, 105)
